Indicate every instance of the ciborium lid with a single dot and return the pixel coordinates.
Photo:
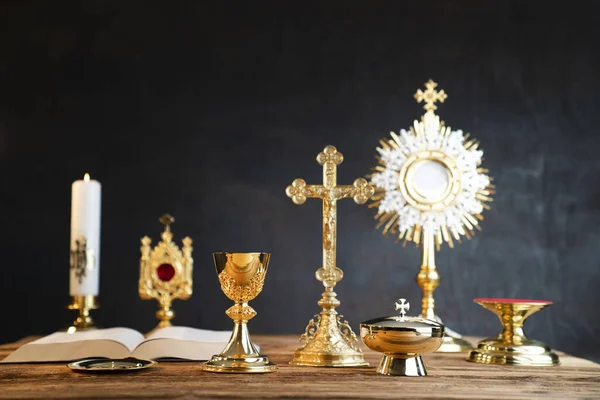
(402, 323)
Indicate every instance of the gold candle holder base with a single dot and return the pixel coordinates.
(84, 320)
(242, 276)
(511, 346)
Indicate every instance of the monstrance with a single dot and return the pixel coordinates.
(431, 189)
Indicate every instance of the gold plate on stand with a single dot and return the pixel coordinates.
(110, 365)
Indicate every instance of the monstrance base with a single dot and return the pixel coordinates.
(454, 345)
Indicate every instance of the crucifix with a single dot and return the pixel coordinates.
(328, 341)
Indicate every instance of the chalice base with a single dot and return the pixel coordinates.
(240, 356)
(401, 366)
(246, 365)
(530, 352)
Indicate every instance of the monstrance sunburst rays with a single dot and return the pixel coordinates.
(430, 188)
(459, 213)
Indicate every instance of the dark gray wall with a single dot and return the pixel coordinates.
(209, 110)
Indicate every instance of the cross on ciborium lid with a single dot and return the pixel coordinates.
(403, 306)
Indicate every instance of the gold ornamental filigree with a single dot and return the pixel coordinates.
(431, 189)
(328, 341)
(166, 272)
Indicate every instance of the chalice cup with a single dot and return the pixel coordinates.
(242, 276)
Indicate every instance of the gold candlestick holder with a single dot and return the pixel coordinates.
(242, 276)
(329, 341)
(82, 260)
(511, 346)
(84, 320)
(430, 189)
(165, 272)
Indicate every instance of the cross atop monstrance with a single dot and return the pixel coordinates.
(328, 341)
(430, 96)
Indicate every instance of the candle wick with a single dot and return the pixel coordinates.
(86, 177)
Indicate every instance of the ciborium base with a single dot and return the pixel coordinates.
(494, 351)
(398, 366)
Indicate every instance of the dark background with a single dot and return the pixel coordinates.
(208, 110)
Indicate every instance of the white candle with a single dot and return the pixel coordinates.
(85, 232)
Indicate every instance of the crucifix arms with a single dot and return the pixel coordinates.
(329, 191)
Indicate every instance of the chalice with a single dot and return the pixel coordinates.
(242, 276)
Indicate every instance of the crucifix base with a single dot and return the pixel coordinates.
(328, 342)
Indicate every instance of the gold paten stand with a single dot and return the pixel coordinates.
(329, 342)
(429, 279)
(84, 320)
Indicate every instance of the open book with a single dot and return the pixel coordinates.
(171, 342)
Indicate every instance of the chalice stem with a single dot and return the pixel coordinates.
(428, 277)
(240, 344)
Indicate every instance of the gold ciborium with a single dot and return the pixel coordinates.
(242, 276)
(511, 346)
(402, 340)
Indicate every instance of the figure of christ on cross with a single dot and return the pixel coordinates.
(323, 342)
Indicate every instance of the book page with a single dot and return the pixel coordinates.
(193, 334)
(62, 346)
(179, 342)
(127, 337)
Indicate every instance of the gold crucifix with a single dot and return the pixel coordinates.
(328, 341)
(430, 96)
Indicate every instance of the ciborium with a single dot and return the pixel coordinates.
(242, 276)
(402, 340)
(511, 346)
(430, 190)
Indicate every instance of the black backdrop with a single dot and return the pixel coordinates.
(209, 110)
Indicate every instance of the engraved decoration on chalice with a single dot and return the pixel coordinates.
(431, 189)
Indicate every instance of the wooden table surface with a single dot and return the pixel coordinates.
(450, 376)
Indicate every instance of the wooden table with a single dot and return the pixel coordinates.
(449, 377)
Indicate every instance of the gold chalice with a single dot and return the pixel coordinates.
(242, 276)
(511, 346)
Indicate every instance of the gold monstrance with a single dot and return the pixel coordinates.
(431, 189)
(329, 342)
(166, 272)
